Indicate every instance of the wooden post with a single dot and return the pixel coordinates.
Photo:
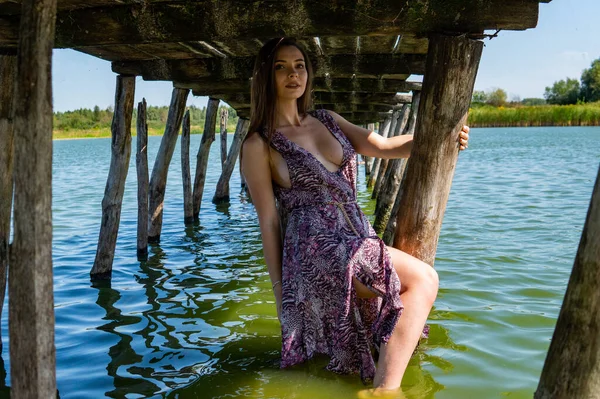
(390, 181)
(384, 130)
(450, 72)
(223, 119)
(30, 285)
(158, 181)
(188, 210)
(8, 71)
(572, 366)
(202, 158)
(141, 164)
(242, 178)
(222, 191)
(115, 183)
(368, 160)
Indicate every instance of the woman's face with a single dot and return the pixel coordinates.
(290, 73)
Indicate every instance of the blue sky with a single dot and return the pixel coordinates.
(566, 41)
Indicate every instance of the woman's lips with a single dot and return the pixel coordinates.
(292, 86)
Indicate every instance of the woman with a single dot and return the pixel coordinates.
(336, 285)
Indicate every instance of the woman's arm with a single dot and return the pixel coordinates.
(257, 171)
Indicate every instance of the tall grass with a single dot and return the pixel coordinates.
(543, 115)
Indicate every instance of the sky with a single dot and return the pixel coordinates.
(524, 63)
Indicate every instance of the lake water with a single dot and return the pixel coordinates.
(198, 318)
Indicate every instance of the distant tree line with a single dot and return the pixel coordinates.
(85, 119)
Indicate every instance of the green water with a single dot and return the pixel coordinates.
(197, 320)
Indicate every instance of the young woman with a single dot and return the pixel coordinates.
(339, 290)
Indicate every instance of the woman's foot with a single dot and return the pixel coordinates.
(381, 393)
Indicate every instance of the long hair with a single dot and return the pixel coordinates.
(263, 94)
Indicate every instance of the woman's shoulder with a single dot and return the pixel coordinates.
(254, 142)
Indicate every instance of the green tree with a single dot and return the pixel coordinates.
(590, 82)
(96, 113)
(533, 101)
(479, 96)
(563, 92)
(497, 97)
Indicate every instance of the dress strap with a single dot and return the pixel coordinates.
(330, 123)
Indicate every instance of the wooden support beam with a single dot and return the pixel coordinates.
(141, 165)
(369, 160)
(384, 130)
(117, 174)
(186, 175)
(8, 72)
(158, 181)
(222, 191)
(452, 64)
(572, 366)
(30, 285)
(223, 122)
(203, 152)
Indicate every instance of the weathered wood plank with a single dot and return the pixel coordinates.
(141, 164)
(8, 71)
(30, 285)
(202, 157)
(223, 125)
(384, 130)
(222, 191)
(158, 181)
(452, 65)
(572, 366)
(117, 174)
(188, 203)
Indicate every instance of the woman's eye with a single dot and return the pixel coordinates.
(300, 66)
(278, 66)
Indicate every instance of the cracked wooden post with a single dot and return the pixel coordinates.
(451, 67)
(30, 285)
(384, 130)
(8, 71)
(115, 183)
(141, 165)
(222, 191)
(158, 181)
(369, 160)
(203, 152)
(224, 115)
(572, 366)
(186, 174)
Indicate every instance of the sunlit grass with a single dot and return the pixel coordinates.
(543, 115)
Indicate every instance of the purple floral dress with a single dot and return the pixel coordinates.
(327, 241)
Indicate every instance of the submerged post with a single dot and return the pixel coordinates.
(368, 160)
(186, 175)
(450, 72)
(222, 192)
(30, 285)
(115, 183)
(202, 158)
(223, 122)
(384, 130)
(572, 366)
(158, 181)
(141, 163)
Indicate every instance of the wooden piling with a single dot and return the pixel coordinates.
(572, 366)
(158, 181)
(115, 183)
(223, 122)
(368, 160)
(30, 285)
(186, 175)
(8, 71)
(452, 63)
(141, 165)
(384, 130)
(222, 191)
(202, 157)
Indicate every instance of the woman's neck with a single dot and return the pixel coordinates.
(287, 114)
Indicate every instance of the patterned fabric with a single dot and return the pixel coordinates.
(327, 240)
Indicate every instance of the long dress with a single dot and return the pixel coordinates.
(326, 241)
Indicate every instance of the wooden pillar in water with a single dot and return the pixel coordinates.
(450, 71)
(186, 174)
(30, 285)
(572, 366)
(384, 130)
(383, 167)
(8, 71)
(115, 183)
(223, 122)
(203, 152)
(158, 181)
(369, 160)
(222, 191)
(141, 163)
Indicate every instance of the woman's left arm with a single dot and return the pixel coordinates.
(371, 144)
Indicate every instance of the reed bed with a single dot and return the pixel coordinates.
(543, 115)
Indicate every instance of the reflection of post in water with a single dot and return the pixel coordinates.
(4, 390)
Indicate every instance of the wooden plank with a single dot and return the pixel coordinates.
(572, 366)
(115, 183)
(188, 208)
(203, 152)
(452, 65)
(8, 72)
(158, 181)
(222, 191)
(141, 163)
(30, 285)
